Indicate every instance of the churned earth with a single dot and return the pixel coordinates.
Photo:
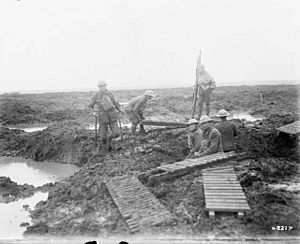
(81, 204)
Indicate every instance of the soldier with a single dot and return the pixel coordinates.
(134, 110)
(212, 137)
(194, 137)
(228, 131)
(206, 85)
(108, 109)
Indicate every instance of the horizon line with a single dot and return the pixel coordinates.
(117, 88)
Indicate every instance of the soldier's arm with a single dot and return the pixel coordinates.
(235, 132)
(212, 147)
(137, 107)
(198, 142)
(114, 101)
(93, 102)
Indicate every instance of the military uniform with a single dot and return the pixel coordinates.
(213, 144)
(228, 131)
(107, 113)
(134, 111)
(194, 140)
(206, 85)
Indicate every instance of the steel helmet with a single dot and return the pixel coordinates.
(193, 121)
(222, 113)
(102, 83)
(149, 93)
(204, 119)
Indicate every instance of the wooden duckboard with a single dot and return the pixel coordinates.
(223, 192)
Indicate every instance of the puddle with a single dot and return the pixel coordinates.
(13, 214)
(246, 116)
(92, 127)
(28, 128)
(34, 173)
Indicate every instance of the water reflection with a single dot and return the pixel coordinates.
(29, 129)
(13, 214)
(245, 116)
(34, 173)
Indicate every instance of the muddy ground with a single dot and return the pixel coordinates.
(81, 203)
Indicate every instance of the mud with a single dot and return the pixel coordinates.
(10, 191)
(81, 204)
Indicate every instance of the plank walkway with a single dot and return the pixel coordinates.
(184, 167)
(137, 205)
(223, 192)
(292, 129)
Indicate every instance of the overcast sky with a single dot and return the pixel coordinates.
(71, 44)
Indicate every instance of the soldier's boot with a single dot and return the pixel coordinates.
(142, 130)
(133, 128)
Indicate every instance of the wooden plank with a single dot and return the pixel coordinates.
(228, 210)
(221, 183)
(228, 195)
(218, 200)
(224, 197)
(219, 207)
(223, 187)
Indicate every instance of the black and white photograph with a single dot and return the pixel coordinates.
(149, 121)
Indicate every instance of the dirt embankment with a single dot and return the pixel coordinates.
(81, 204)
(10, 191)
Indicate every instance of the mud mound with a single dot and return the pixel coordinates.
(265, 140)
(80, 205)
(13, 112)
(10, 191)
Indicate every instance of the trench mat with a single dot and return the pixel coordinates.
(177, 169)
(292, 128)
(137, 205)
(223, 192)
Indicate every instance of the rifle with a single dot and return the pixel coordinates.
(196, 86)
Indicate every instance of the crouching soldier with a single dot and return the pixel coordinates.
(228, 131)
(134, 110)
(194, 137)
(108, 109)
(212, 137)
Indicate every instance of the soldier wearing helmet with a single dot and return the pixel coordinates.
(206, 84)
(194, 137)
(212, 137)
(108, 109)
(228, 131)
(135, 108)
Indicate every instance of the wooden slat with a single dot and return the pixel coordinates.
(218, 200)
(225, 183)
(231, 187)
(241, 197)
(227, 206)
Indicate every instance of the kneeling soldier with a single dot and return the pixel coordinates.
(194, 137)
(212, 137)
(108, 109)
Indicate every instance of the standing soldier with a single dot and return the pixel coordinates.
(228, 131)
(194, 137)
(108, 109)
(212, 137)
(206, 84)
(134, 110)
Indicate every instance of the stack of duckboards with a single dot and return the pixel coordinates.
(223, 192)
